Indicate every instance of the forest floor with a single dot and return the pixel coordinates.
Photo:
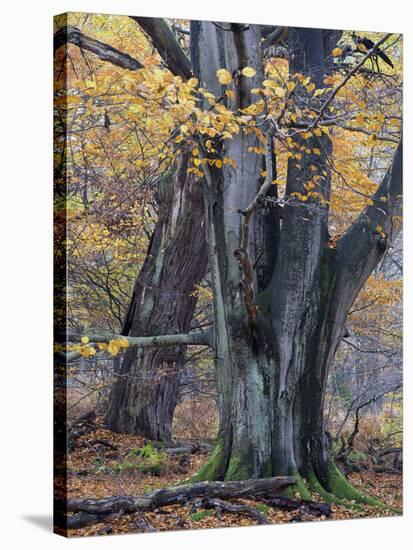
(95, 471)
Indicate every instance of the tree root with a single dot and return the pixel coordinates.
(299, 487)
(220, 505)
(336, 489)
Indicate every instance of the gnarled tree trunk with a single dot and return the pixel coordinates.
(280, 302)
(145, 393)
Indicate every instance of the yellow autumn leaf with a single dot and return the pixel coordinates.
(277, 90)
(337, 52)
(192, 82)
(224, 76)
(249, 72)
(113, 350)
(359, 118)
(73, 99)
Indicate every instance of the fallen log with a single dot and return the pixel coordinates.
(84, 518)
(98, 509)
(182, 447)
(87, 418)
(79, 427)
(390, 450)
(104, 443)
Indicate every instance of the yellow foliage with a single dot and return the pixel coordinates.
(249, 72)
(224, 76)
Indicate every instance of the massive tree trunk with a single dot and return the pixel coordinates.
(281, 294)
(145, 393)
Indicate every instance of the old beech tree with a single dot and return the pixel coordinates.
(281, 289)
(278, 326)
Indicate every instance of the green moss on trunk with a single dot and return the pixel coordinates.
(211, 471)
(300, 487)
(339, 486)
(316, 487)
(237, 470)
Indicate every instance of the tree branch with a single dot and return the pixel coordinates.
(353, 71)
(190, 339)
(277, 35)
(241, 253)
(360, 249)
(363, 245)
(163, 39)
(73, 35)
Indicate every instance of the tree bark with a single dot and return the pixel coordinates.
(272, 365)
(95, 510)
(145, 392)
(73, 35)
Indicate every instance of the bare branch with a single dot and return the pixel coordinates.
(190, 339)
(73, 35)
(353, 71)
(275, 37)
(163, 39)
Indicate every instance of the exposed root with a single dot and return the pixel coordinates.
(299, 487)
(315, 486)
(332, 487)
(336, 489)
(339, 486)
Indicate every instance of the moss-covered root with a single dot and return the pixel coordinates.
(214, 469)
(339, 486)
(315, 487)
(300, 487)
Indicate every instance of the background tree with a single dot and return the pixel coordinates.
(146, 385)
